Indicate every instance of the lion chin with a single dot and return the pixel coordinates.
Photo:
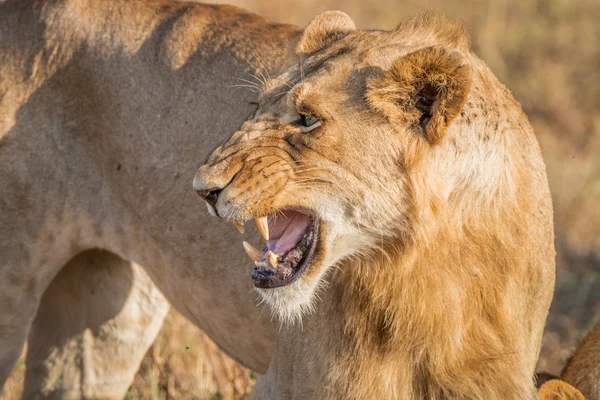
(289, 272)
(294, 301)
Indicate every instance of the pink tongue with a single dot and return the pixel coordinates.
(286, 229)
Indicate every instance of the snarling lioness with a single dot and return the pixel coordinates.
(407, 217)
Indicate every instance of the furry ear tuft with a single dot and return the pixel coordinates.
(323, 30)
(425, 89)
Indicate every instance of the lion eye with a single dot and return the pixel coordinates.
(308, 120)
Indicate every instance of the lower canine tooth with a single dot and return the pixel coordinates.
(211, 210)
(254, 254)
(239, 225)
(273, 259)
(263, 226)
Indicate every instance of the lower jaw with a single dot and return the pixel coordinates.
(286, 275)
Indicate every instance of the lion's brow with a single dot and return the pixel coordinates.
(318, 61)
(307, 65)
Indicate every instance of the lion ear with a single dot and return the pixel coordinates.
(425, 89)
(323, 30)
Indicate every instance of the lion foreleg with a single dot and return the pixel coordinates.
(95, 323)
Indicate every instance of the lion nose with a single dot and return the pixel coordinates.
(209, 184)
(210, 196)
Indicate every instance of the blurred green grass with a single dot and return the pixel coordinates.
(548, 54)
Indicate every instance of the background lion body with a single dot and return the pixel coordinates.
(105, 110)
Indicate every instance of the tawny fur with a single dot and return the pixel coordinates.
(436, 250)
(559, 390)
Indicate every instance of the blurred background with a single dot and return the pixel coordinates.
(548, 54)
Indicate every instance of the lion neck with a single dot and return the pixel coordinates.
(435, 318)
(408, 327)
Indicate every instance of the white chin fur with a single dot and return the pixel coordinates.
(290, 303)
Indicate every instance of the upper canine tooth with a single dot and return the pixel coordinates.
(254, 253)
(263, 226)
(273, 259)
(239, 225)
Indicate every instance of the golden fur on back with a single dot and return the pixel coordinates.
(436, 267)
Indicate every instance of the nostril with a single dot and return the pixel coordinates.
(210, 196)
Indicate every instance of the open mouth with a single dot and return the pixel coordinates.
(292, 237)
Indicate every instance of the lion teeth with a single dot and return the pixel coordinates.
(273, 259)
(211, 210)
(239, 225)
(254, 253)
(263, 226)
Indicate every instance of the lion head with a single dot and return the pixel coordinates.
(368, 134)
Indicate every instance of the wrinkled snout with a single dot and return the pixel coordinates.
(241, 177)
(256, 175)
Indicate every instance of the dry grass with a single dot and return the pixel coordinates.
(548, 54)
(14, 384)
(184, 364)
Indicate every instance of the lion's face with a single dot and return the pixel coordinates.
(324, 164)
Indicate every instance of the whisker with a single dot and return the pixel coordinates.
(252, 88)
(282, 81)
(259, 82)
(306, 186)
(242, 85)
(314, 180)
(279, 170)
(261, 64)
(262, 81)
(280, 94)
(330, 193)
(280, 211)
(300, 162)
(297, 171)
(236, 89)
(253, 75)
(301, 171)
(259, 70)
(256, 85)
